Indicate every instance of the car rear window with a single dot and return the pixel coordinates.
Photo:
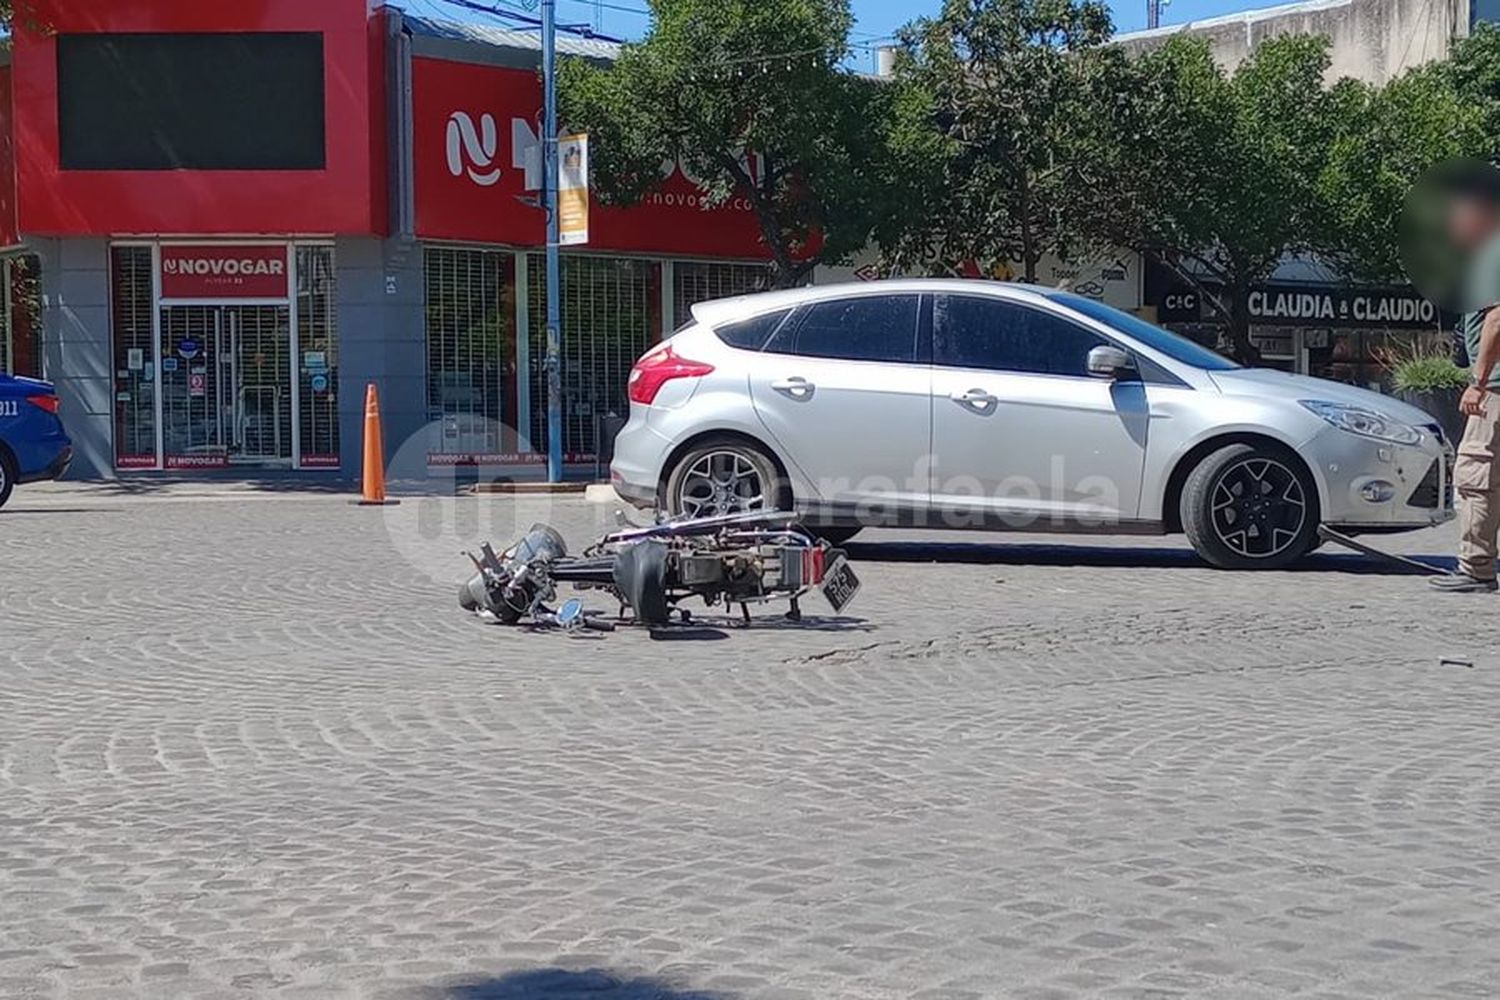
(751, 334)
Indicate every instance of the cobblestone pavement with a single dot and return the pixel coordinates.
(249, 747)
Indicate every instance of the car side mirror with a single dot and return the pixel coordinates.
(1108, 361)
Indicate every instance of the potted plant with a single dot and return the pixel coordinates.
(1426, 376)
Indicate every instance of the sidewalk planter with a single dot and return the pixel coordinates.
(1435, 383)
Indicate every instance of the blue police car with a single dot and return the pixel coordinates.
(33, 444)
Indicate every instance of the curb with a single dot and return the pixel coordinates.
(530, 489)
(602, 493)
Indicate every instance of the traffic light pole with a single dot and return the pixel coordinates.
(554, 265)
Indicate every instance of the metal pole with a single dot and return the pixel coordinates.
(554, 268)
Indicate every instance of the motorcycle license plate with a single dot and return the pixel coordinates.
(839, 584)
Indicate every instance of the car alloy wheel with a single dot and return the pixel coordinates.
(721, 482)
(1259, 509)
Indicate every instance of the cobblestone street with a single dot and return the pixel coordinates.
(250, 747)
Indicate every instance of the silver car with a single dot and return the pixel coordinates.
(967, 404)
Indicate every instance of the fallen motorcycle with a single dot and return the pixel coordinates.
(736, 559)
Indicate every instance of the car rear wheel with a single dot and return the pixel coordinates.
(7, 477)
(725, 476)
(1250, 507)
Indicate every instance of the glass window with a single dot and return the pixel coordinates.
(751, 334)
(867, 328)
(1173, 345)
(471, 354)
(971, 331)
(193, 101)
(21, 317)
(318, 367)
(611, 313)
(132, 303)
(700, 281)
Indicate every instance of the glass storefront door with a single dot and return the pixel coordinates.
(226, 357)
(227, 386)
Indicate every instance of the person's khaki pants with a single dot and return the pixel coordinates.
(1478, 486)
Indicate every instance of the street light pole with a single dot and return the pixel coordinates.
(554, 239)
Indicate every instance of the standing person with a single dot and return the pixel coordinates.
(1474, 224)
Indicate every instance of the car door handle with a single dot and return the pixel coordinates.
(797, 387)
(974, 399)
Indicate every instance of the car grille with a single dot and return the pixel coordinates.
(1435, 490)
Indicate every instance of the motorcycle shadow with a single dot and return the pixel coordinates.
(714, 629)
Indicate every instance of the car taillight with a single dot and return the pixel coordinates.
(657, 369)
(48, 403)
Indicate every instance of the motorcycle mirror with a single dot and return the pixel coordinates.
(570, 613)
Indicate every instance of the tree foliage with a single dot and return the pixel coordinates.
(983, 135)
(749, 96)
(1473, 70)
(1385, 138)
(1213, 173)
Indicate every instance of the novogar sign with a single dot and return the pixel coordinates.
(477, 175)
(224, 271)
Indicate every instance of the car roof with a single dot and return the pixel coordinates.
(717, 312)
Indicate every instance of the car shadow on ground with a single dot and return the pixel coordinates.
(563, 984)
(1328, 559)
(33, 511)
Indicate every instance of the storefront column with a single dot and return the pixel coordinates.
(382, 339)
(76, 345)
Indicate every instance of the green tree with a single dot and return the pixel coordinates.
(10, 10)
(1213, 175)
(1385, 138)
(983, 131)
(750, 97)
(1473, 68)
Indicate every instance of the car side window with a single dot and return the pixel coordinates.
(972, 331)
(864, 328)
(751, 334)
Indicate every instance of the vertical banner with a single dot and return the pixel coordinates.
(573, 189)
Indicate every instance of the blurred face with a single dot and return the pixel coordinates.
(1472, 220)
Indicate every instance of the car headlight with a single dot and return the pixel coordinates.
(1366, 423)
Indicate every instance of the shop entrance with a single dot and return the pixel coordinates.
(225, 356)
(227, 386)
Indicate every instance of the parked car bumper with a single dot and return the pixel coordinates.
(55, 469)
(636, 468)
(1374, 485)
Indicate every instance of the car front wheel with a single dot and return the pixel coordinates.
(1250, 507)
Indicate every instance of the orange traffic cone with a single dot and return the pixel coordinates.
(373, 493)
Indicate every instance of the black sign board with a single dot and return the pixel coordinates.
(1332, 306)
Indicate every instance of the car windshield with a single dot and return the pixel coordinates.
(1173, 345)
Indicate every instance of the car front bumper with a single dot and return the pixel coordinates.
(1374, 485)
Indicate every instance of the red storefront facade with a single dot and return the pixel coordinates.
(215, 287)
